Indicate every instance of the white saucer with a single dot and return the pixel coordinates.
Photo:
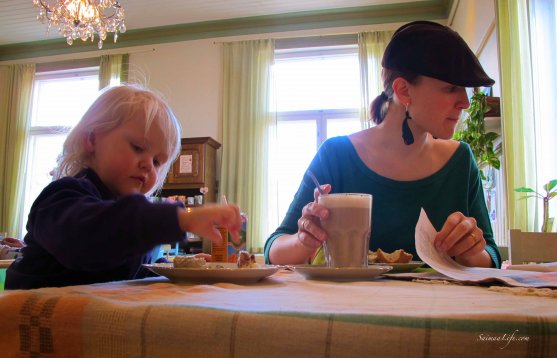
(317, 272)
(213, 272)
(406, 267)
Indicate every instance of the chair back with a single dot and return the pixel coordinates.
(526, 247)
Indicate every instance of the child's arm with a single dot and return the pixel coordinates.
(202, 220)
(85, 230)
(74, 223)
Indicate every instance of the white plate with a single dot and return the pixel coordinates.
(213, 272)
(406, 267)
(317, 272)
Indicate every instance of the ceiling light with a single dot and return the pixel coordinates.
(82, 18)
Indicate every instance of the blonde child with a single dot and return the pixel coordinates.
(94, 223)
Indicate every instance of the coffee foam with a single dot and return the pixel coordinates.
(345, 201)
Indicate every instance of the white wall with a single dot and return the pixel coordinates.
(475, 20)
(189, 75)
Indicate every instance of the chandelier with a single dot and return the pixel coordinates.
(83, 18)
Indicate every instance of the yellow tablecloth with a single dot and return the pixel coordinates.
(282, 316)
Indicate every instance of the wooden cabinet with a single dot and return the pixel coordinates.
(195, 168)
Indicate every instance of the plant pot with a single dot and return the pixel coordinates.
(494, 104)
(526, 247)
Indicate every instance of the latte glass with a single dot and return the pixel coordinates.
(348, 228)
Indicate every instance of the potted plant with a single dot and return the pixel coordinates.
(473, 132)
(551, 191)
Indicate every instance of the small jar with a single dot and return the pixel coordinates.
(199, 200)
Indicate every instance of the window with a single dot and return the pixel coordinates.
(543, 37)
(316, 95)
(59, 100)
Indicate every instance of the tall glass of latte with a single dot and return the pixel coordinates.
(348, 228)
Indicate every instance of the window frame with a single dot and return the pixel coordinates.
(45, 73)
(317, 47)
(297, 49)
(321, 118)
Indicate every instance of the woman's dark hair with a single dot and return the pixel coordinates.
(380, 105)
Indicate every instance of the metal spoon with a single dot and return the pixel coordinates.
(312, 176)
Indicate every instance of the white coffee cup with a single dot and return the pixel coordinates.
(348, 229)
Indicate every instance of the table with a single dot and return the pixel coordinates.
(281, 316)
(5, 263)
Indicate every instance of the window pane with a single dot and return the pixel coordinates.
(342, 126)
(43, 151)
(316, 95)
(62, 102)
(543, 16)
(295, 148)
(59, 100)
(316, 83)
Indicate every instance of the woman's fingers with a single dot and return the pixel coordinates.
(308, 240)
(460, 236)
(315, 211)
(326, 189)
(468, 245)
(310, 233)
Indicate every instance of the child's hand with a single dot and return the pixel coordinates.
(12, 242)
(202, 220)
(4, 249)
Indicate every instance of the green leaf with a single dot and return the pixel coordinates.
(491, 136)
(473, 132)
(550, 185)
(524, 190)
(526, 197)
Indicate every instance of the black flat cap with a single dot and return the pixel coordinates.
(431, 49)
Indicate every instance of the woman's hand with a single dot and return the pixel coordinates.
(462, 239)
(204, 219)
(310, 234)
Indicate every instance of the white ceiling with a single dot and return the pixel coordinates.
(18, 22)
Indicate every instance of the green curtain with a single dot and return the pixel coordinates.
(113, 68)
(371, 46)
(16, 89)
(517, 111)
(245, 125)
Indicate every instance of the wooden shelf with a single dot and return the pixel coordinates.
(194, 169)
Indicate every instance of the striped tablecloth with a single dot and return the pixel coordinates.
(281, 316)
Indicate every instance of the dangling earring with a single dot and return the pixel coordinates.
(407, 135)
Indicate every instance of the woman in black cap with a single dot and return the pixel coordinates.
(407, 161)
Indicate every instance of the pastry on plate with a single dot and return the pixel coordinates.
(396, 257)
(245, 260)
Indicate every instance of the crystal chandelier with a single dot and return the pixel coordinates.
(83, 18)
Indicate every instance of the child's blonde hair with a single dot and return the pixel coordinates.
(112, 108)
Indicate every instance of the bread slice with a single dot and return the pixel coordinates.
(396, 257)
(188, 261)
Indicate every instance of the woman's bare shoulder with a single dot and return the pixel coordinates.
(445, 147)
(362, 137)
